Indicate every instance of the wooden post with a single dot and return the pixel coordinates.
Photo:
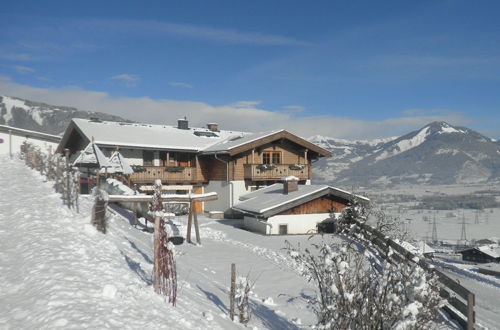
(471, 316)
(157, 247)
(253, 156)
(190, 221)
(232, 293)
(196, 228)
(68, 191)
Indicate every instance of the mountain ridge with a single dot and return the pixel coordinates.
(42, 117)
(438, 153)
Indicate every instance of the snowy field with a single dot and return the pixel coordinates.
(56, 271)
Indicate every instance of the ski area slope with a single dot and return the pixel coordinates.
(57, 271)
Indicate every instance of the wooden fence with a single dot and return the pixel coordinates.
(460, 300)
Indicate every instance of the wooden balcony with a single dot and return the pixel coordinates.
(166, 174)
(260, 172)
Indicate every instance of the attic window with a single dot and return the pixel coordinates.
(205, 134)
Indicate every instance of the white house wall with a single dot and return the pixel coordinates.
(228, 193)
(257, 226)
(18, 140)
(297, 223)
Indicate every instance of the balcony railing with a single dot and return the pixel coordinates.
(166, 174)
(261, 172)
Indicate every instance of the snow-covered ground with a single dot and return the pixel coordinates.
(57, 271)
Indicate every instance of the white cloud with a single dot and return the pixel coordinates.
(244, 116)
(23, 69)
(180, 84)
(129, 80)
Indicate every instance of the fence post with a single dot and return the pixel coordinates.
(232, 293)
(471, 315)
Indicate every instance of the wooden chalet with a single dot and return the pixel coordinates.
(482, 254)
(207, 159)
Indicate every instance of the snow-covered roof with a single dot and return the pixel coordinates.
(271, 200)
(237, 143)
(150, 136)
(119, 164)
(493, 250)
(237, 140)
(91, 156)
(418, 248)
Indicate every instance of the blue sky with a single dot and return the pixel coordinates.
(352, 69)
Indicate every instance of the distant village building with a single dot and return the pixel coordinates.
(290, 208)
(199, 159)
(482, 254)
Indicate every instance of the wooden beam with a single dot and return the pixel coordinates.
(190, 222)
(196, 227)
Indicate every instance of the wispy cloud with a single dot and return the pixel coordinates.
(204, 33)
(129, 80)
(246, 104)
(16, 57)
(293, 108)
(180, 84)
(23, 69)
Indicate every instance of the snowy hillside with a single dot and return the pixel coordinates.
(57, 271)
(438, 153)
(42, 117)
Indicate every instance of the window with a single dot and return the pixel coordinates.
(271, 157)
(147, 157)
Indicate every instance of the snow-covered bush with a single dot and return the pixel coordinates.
(356, 292)
(361, 212)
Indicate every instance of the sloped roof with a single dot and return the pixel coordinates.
(163, 137)
(237, 144)
(91, 156)
(270, 201)
(493, 250)
(149, 136)
(119, 164)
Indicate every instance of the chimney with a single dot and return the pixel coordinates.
(214, 127)
(290, 184)
(182, 123)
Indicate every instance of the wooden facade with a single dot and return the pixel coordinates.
(325, 204)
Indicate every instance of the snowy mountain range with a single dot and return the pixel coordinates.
(438, 153)
(43, 117)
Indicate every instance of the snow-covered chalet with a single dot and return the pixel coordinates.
(207, 159)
